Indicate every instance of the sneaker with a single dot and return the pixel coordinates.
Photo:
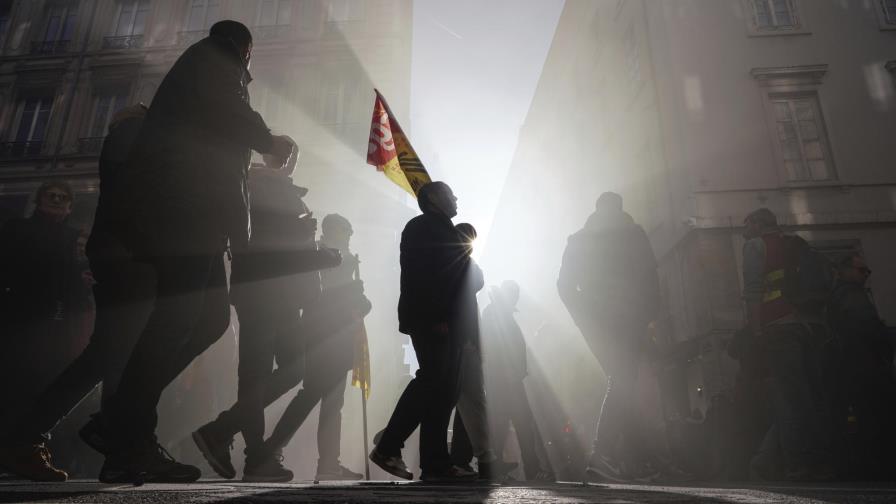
(544, 476)
(497, 470)
(337, 473)
(216, 450)
(453, 474)
(92, 434)
(605, 468)
(269, 470)
(30, 461)
(392, 465)
(149, 464)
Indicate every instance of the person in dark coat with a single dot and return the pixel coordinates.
(268, 297)
(434, 264)
(609, 284)
(863, 374)
(506, 367)
(183, 199)
(43, 289)
(123, 292)
(331, 324)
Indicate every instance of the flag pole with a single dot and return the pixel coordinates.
(357, 275)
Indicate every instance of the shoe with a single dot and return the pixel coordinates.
(269, 470)
(453, 474)
(544, 476)
(150, 463)
(30, 461)
(92, 434)
(337, 473)
(392, 465)
(496, 470)
(605, 468)
(216, 450)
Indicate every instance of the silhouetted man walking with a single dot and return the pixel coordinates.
(433, 266)
(124, 292)
(184, 198)
(609, 284)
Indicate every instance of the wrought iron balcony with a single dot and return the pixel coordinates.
(272, 32)
(90, 145)
(49, 46)
(126, 42)
(10, 150)
(186, 38)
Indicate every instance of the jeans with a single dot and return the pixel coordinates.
(123, 293)
(794, 352)
(614, 346)
(470, 434)
(427, 401)
(510, 404)
(191, 312)
(324, 382)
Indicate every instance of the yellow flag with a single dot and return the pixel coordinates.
(391, 152)
(361, 366)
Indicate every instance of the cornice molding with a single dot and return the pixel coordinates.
(792, 75)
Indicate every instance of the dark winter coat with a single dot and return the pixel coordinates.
(608, 275)
(433, 263)
(187, 191)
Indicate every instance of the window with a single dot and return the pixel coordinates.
(131, 17)
(339, 96)
(34, 115)
(802, 138)
(887, 14)
(774, 16)
(5, 8)
(340, 11)
(274, 12)
(105, 105)
(60, 24)
(202, 14)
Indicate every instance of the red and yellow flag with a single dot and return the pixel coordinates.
(391, 152)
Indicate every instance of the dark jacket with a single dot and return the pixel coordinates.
(342, 303)
(187, 189)
(608, 274)
(433, 264)
(106, 233)
(504, 348)
(281, 260)
(854, 319)
(40, 272)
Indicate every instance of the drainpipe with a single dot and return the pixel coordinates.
(82, 55)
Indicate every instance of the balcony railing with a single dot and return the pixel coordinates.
(272, 32)
(20, 149)
(90, 145)
(186, 38)
(49, 46)
(126, 42)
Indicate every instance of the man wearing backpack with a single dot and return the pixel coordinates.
(784, 290)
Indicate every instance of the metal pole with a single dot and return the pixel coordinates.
(364, 416)
(357, 275)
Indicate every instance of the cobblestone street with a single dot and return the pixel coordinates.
(567, 493)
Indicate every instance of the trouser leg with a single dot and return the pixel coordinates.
(790, 391)
(526, 430)
(329, 427)
(180, 302)
(256, 361)
(471, 404)
(619, 365)
(461, 448)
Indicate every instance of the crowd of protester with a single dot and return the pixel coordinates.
(813, 399)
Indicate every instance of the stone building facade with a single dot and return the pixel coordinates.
(698, 112)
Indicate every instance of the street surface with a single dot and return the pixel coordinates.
(564, 493)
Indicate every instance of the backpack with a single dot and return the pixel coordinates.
(808, 277)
